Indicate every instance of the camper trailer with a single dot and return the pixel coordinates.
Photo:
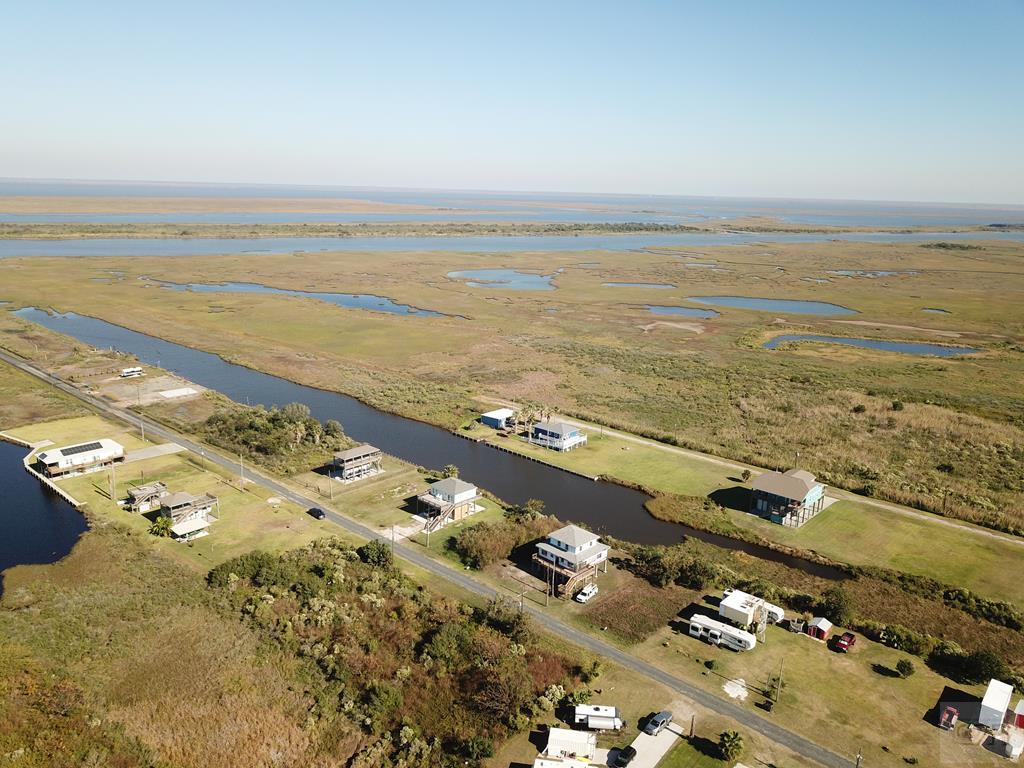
(597, 717)
(720, 633)
(131, 373)
(743, 609)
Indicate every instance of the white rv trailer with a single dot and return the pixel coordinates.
(131, 373)
(742, 608)
(720, 633)
(597, 717)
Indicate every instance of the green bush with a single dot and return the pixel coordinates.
(376, 553)
(905, 667)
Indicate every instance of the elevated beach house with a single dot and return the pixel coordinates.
(80, 458)
(359, 462)
(557, 435)
(787, 498)
(143, 498)
(447, 500)
(569, 558)
(190, 515)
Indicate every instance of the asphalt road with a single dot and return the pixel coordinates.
(744, 717)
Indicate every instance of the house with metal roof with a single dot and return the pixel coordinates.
(576, 745)
(358, 462)
(190, 515)
(497, 419)
(80, 458)
(570, 557)
(787, 498)
(447, 500)
(557, 435)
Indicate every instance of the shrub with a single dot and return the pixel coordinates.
(745, 475)
(376, 553)
(859, 408)
(897, 405)
(836, 605)
(905, 667)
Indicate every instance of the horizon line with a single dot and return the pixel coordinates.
(492, 191)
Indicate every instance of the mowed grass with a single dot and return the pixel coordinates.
(849, 531)
(835, 699)
(246, 519)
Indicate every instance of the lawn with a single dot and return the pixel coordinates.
(848, 531)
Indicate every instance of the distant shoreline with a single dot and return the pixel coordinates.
(53, 231)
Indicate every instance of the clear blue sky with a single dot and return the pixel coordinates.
(896, 100)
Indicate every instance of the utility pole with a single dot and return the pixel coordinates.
(859, 758)
(778, 685)
(241, 473)
(392, 538)
(113, 481)
(522, 597)
(693, 726)
(142, 426)
(202, 459)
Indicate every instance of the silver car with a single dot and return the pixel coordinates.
(658, 723)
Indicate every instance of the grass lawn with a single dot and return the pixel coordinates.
(685, 755)
(848, 531)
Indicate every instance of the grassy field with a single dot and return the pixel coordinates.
(246, 520)
(24, 399)
(848, 531)
(955, 443)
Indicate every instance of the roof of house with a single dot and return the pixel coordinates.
(141, 491)
(556, 427)
(179, 498)
(103, 444)
(562, 741)
(358, 452)
(571, 557)
(452, 486)
(560, 762)
(573, 535)
(794, 484)
(500, 413)
(997, 695)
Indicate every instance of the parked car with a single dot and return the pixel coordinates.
(625, 757)
(586, 593)
(318, 513)
(658, 723)
(846, 642)
(947, 720)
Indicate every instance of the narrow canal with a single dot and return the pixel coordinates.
(605, 507)
(36, 526)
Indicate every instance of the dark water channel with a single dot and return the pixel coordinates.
(36, 526)
(606, 507)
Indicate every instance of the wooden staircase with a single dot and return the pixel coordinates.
(435, 522)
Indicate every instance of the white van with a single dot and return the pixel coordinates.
(586, 593)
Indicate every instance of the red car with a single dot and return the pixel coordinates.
(846, 642)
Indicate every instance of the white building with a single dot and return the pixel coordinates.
(80, 458)
(994, 704)
(563, 743)
(497, 419)
(557, 435)
(570, 556)
(448, 499)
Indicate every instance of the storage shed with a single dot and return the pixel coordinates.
(994, 704)
(1018, 714)
(563, 742)
(819, 628)
(497, 419)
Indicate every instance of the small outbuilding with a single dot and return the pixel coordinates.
(358, 462)
(787, 498)
(819, 628)
(994, 704)
(1018, 715)
(497, 419)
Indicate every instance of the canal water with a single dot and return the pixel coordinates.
(605, 507)
(36, 526)
(903, 347)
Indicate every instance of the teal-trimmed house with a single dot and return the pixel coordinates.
(787, 498)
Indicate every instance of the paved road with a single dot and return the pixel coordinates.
(839, 493)
(417, 557)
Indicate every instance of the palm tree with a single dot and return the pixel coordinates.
(730, 744)
(161, 526)
(450, 470)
